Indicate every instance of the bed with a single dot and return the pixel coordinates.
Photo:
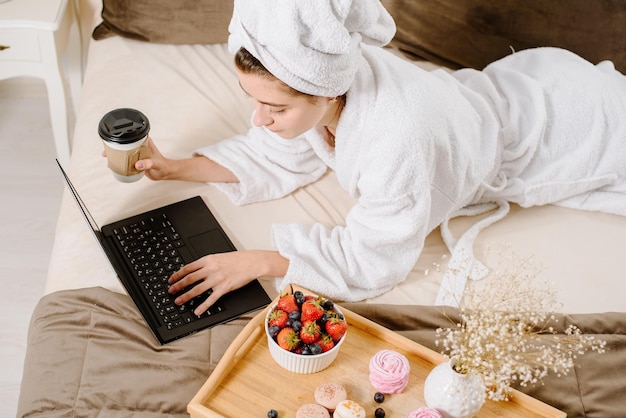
(89, 352)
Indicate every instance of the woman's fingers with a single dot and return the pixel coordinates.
(185, 277)
(223, 272)
(208, 302)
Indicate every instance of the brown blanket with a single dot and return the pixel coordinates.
(90, 354)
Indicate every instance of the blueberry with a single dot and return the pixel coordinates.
(379, 397)
(272, 413)
(322, 320)
(273, 330)
(299, 297)
(294, 315)
(379, 413)
(315, 348)
(296, 325)
(328, 305)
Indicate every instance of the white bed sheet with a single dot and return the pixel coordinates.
(192, 98)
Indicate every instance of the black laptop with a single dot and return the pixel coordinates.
(147, 248)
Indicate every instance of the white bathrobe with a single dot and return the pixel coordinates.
(415, 147)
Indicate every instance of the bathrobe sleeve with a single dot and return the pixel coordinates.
(379, 244)
(267, 166)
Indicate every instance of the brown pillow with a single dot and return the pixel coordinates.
(166, 21)
(473, 33)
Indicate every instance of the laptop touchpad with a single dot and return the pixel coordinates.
(210, 242)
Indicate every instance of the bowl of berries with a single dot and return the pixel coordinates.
(304, 332)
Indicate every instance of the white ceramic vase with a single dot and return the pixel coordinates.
(455, 395)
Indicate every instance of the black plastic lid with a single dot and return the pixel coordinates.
(123, 126)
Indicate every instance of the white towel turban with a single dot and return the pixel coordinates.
(311, 45)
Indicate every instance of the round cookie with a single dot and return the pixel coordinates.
(349, 409)
(329, 394)
(312, 410)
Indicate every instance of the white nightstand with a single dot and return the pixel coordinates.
(34, 36)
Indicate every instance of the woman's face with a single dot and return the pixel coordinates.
(283, 113)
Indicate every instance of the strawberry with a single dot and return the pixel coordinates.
(326, 342)
(278, 317)
(310, 332)
(311, 310)
(288, 339)
(287, 303)
(336, 327)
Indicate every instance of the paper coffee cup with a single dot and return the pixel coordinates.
(124, 133)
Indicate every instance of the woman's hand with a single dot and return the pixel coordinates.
(157, 167)
(197, 168)
(224, 272)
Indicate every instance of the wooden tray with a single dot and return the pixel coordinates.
(247, 382)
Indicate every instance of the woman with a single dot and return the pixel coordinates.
(416, 148)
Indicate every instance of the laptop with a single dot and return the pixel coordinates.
(146, 249)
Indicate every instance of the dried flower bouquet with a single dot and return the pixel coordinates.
(506, 331)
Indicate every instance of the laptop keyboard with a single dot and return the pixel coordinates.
(152, 247)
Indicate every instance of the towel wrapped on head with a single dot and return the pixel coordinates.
(312, 46)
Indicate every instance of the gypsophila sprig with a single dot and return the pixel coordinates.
(506, 330)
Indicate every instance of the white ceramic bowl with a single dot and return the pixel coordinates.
(299, 363)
